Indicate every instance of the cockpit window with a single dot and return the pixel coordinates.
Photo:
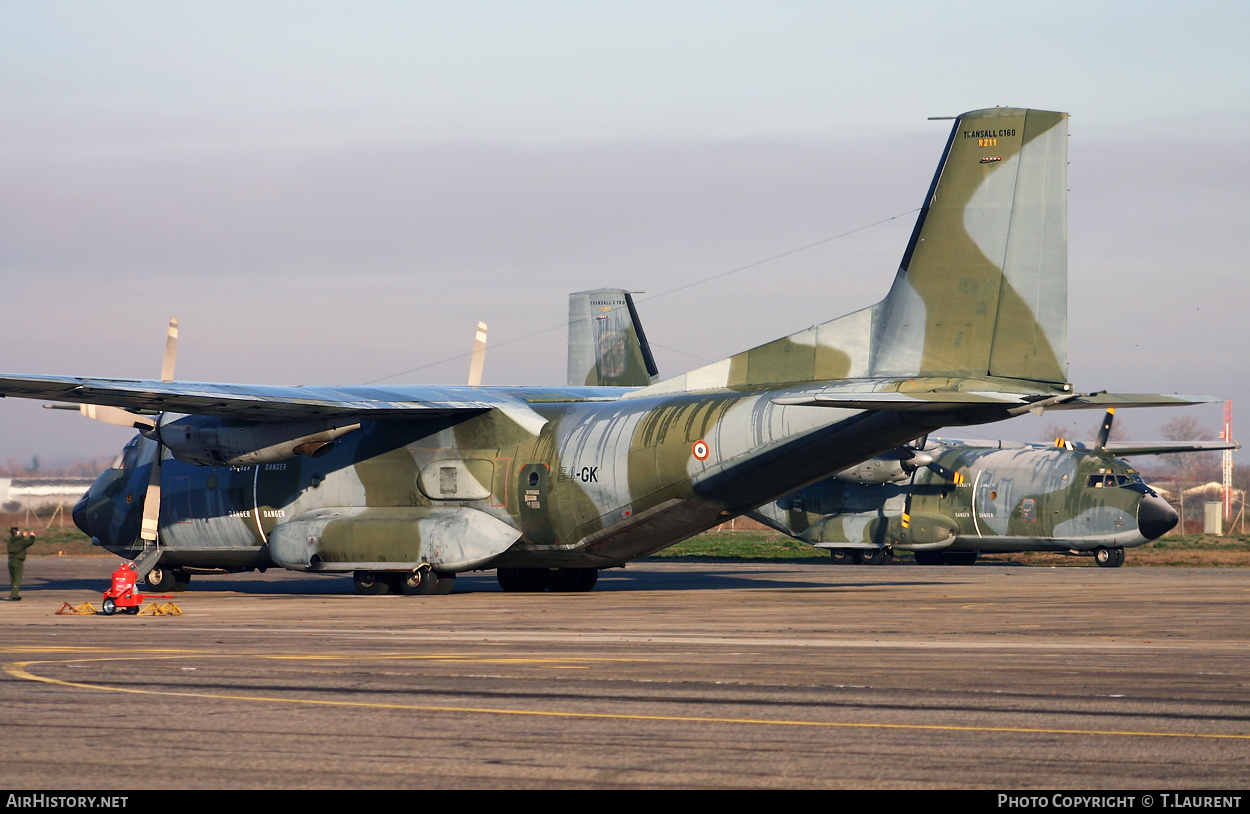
(1107, 481)
(129, 455)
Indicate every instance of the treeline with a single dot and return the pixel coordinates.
(64, 469)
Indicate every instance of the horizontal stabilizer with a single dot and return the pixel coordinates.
(1122, 449)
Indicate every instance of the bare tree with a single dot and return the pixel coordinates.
(1190, 467)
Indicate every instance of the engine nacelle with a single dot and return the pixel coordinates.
(210, 441)
(876, 470)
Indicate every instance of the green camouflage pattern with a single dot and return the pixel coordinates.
(978, 498)
(404, 486)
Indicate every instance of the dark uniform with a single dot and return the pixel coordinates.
(17, 562)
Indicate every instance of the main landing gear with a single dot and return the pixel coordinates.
(422, 582)
(542, 579)
(162, 578)
(861, 556)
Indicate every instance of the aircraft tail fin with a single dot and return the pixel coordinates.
(607, 346)
(982, 287)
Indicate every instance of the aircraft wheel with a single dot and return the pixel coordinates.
(110, 606)
(959, 557)
(523, 579)
(509, 578)
(445, 584)
(930, 558)
(1109, 557)
(160, 579)
(870, 556)
(421, 582)
(370, 583)
(573, 579)
(182, 581)
(841, 556)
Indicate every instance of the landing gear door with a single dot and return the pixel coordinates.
(534, 491)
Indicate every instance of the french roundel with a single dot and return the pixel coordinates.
(700, 450)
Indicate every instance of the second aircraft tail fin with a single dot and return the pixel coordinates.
(607, 346)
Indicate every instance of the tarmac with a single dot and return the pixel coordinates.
(670, 674)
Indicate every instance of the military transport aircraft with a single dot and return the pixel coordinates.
(406, 486)
(948, 501)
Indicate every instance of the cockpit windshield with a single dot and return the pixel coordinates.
(129, 456)
(1106, 480)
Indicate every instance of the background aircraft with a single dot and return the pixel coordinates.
(404, 486)
(952, 500)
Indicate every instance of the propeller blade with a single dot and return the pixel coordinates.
(951, 475)
(912, 458)
(149, 527)
(479, 356)
(171, 351)
(1104, 432)
(906, 519)
(116, 415)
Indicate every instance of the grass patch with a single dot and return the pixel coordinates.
(742, 545)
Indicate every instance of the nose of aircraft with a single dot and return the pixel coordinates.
(80, 513)
(1155, 517)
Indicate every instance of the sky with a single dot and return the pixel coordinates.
(336, 193)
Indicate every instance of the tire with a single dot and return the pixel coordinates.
(523, 579)
(426, 582)
(841, 556)
(960, 557)
(870, 556)
(161, 579)
(110, 606)
(1109, 557)
(182, 581)
(573, 579)
(930, 558)
(370, 583)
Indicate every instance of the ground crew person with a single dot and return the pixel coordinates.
(17, 561)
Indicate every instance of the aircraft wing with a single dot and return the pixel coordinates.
(1122, 449)
(1013, 403)
(260, 402)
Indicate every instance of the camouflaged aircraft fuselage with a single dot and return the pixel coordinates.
(1005, 498)
(600, 484)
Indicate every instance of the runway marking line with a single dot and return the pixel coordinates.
(18, 670)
